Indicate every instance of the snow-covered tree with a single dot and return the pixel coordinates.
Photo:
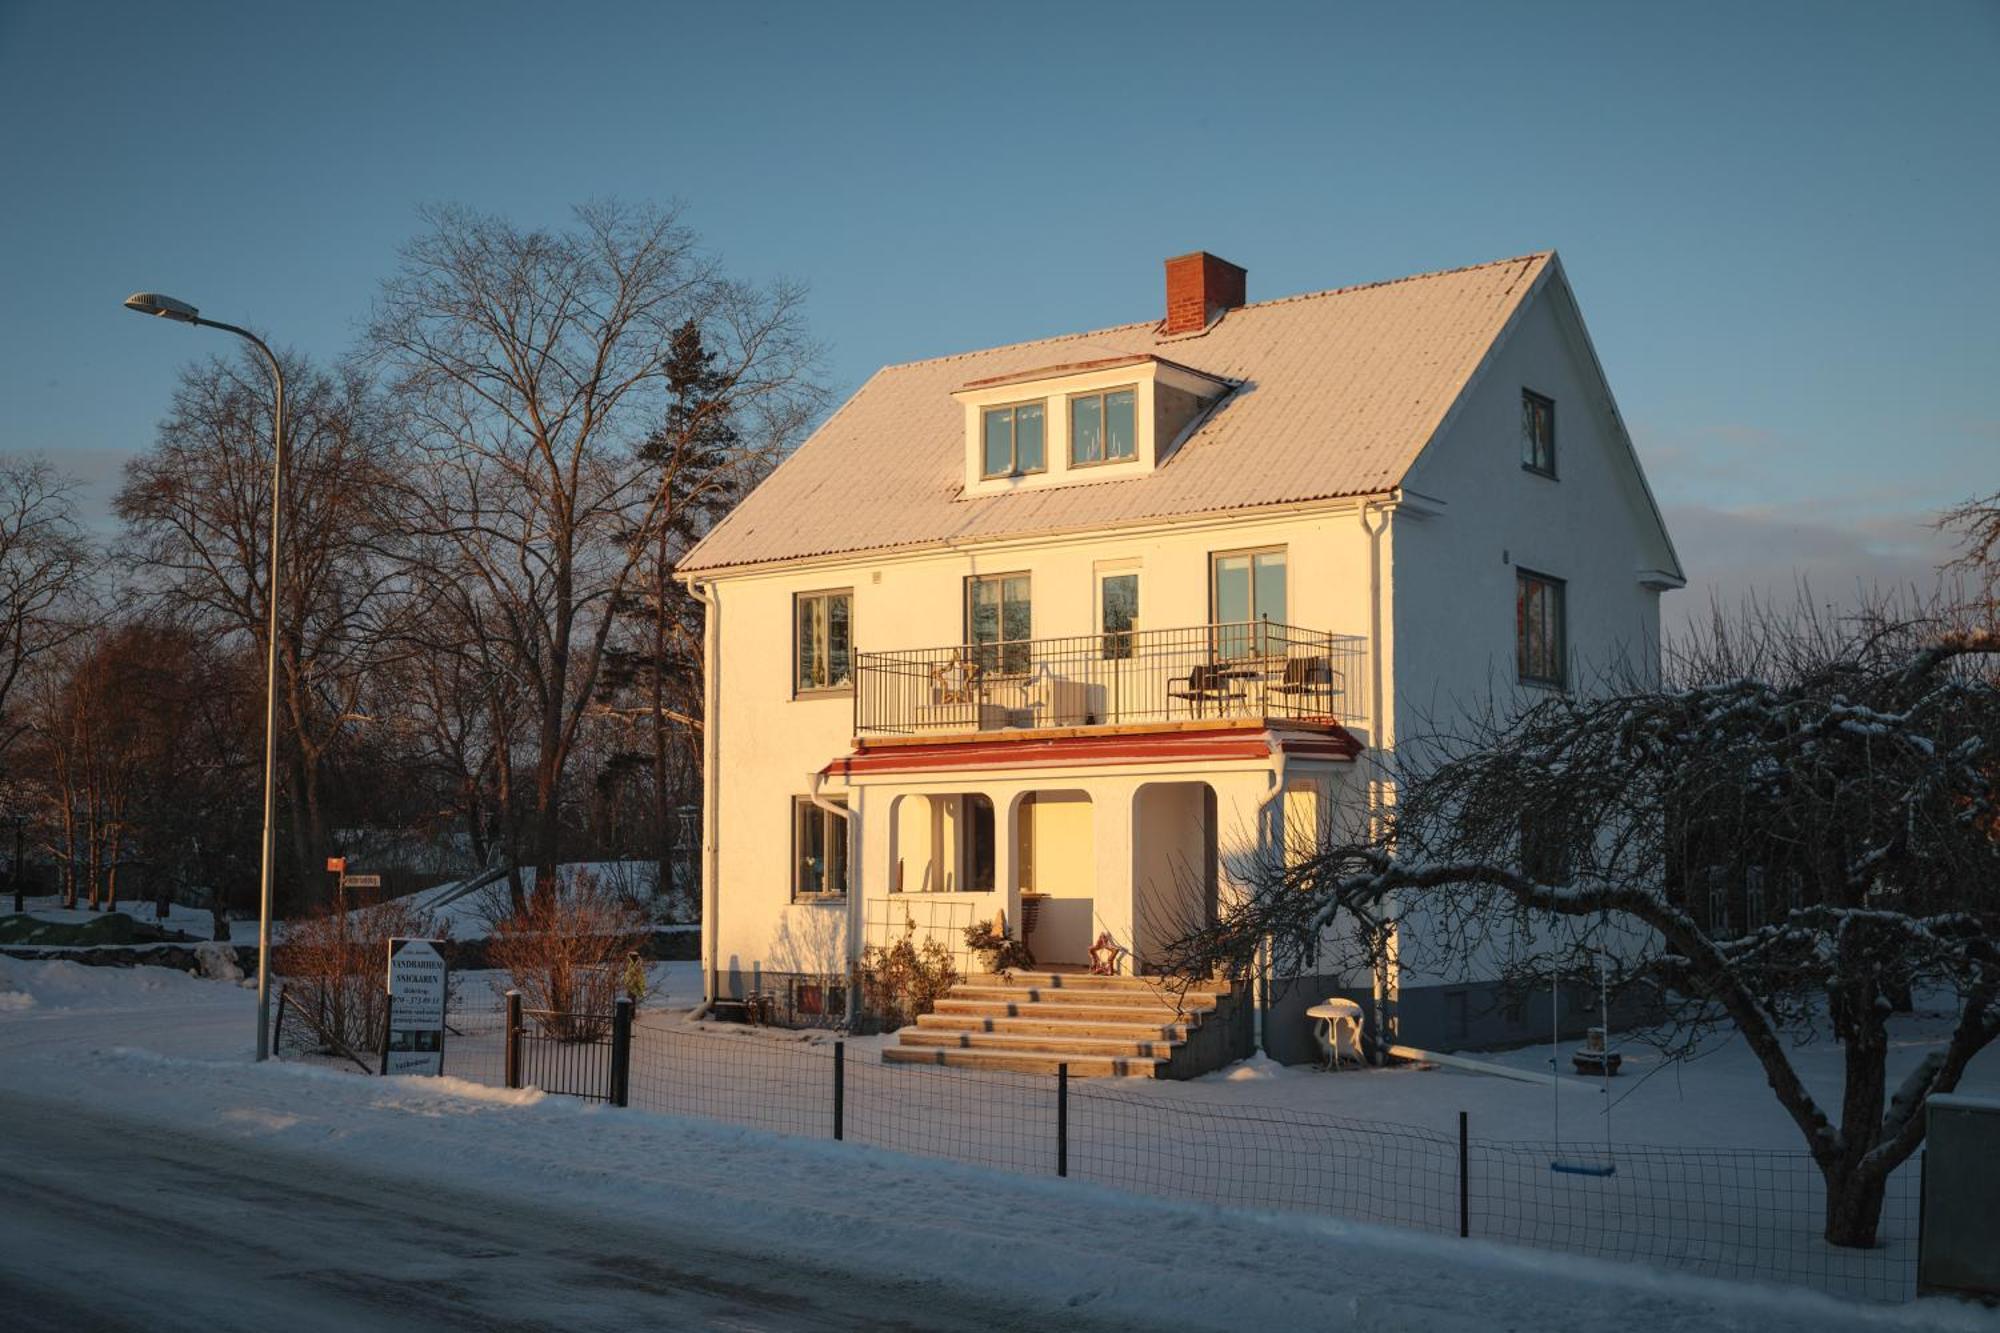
(1789, 837)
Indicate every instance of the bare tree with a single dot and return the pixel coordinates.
(1977, 523)
(196, 508)
(533, 366)
(45, 563)
(1804, 824)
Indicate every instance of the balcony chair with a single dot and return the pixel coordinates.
(1312, 677)
(1204, 683)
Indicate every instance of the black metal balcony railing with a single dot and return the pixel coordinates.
(1258, 669)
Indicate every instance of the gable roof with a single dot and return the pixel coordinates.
(1338, 392)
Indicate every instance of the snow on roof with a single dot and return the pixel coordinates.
(1338, 393)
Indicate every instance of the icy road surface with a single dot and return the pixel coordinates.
(107, 1229)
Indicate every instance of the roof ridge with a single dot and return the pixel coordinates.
(1249, 305)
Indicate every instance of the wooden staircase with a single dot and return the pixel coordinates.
(1032, 1022)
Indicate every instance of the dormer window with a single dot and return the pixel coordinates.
(1103, 427)
(1096, 421)
(1014, 440)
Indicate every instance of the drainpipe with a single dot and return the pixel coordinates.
(1261, 1009)
(1379, 996)
(711, 779)
(853, 950)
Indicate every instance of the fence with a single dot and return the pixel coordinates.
(1735, 1213)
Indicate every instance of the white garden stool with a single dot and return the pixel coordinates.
(1339, 1033)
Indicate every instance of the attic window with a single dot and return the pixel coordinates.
(1013, 440)
(1538, 433)
(1102, 427)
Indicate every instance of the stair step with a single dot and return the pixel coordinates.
(1090, 981)
(1135, 1047)
(1110, 1013)
(1067, 1025)
(1149, 998)
(1025, 1062)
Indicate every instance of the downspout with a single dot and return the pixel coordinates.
(853, 950)
(1379, 995)
(711, 779)
(1261, 1006)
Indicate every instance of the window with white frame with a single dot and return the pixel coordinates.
(1540, 645)
(1013, 440)
(1118, 613)
(1103, 427)
(819, 851)
(999, 621)
(823, 643)
(1246, 591)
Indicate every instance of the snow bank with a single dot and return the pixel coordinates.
(959, 1233)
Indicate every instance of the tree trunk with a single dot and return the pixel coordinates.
(1853, 1206)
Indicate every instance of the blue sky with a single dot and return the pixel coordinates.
(1781, 220)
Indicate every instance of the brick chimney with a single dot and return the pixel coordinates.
(1200, 287)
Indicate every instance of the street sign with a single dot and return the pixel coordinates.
(417, 983)
(361, 881)
(336, 865)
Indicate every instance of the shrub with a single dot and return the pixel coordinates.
(904, 979)
(335, 967)
(565, 953)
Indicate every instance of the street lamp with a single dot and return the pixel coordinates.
(166, 307)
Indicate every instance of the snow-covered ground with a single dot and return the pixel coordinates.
(363, 1202)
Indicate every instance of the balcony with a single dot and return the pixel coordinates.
(1199, 673)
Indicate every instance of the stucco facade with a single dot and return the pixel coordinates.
(1102, 826)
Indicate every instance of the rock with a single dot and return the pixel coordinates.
(217, 962)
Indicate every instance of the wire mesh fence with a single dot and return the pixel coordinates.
(1736, 1213)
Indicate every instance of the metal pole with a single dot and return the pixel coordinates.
(513, 1078)
(270, 686)
(840, 1090)
(621, 1052)
(1464, 1190)
(1062, 1119)
(20, 882)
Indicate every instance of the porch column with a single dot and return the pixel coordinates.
(1115, 813)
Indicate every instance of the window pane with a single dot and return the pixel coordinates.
(1270, 589)
(1028, 438)
(999, 442)
(838, 641)
(1120, 438)
(1121, 601)
(1527, 431)
(833, 831)
(808, 838)
(1232, 588)
(985, 611)
(811, 669)
(1086, 429)
(1016, 625)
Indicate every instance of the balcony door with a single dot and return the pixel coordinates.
(1246, 591)
(999, 622)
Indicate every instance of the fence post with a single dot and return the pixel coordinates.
(278, 1026)
(840, 1090)
(1464, 1182)
(621, 1051)
(513, 1039)
(388, 1016)
(1062, 1119)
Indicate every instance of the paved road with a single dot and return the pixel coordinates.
(108, 1226)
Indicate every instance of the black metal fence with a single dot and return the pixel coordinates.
(1250, 669)
(1736, 1213)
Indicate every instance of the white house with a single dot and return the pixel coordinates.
(1056, 629)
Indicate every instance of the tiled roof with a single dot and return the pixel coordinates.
(1339, 393)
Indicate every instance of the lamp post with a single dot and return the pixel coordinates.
(166, 307)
